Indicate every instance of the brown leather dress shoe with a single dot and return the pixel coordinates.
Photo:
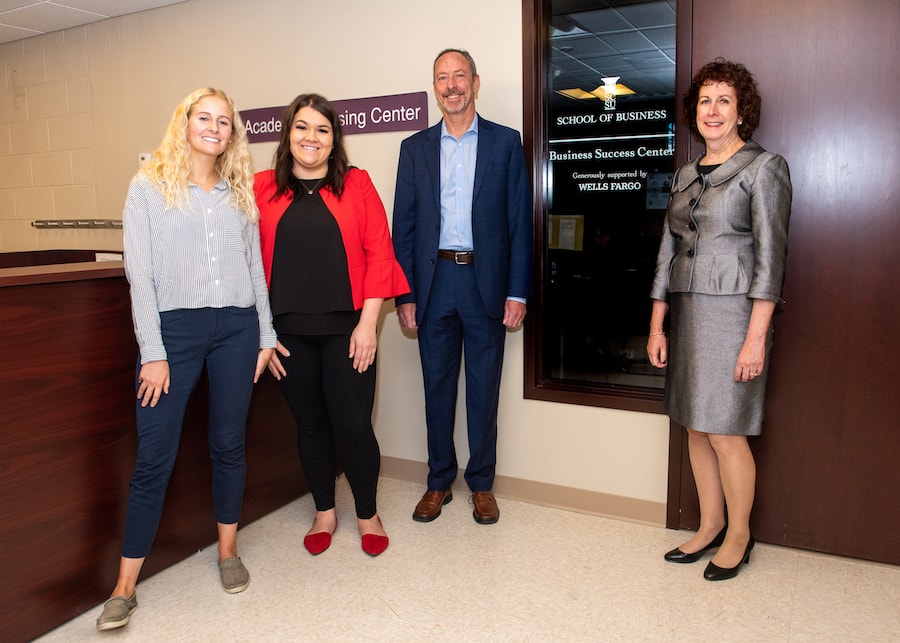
(486, 510)
(429, 506)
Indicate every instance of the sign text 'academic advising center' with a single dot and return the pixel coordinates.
(395, 113)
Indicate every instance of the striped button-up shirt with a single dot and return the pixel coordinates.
(204, 254)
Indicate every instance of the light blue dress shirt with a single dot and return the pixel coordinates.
(458, 158)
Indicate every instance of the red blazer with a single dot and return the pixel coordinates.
(373, 269)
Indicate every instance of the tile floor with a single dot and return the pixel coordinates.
(539, 574)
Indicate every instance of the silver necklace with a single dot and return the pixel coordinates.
(310, 190)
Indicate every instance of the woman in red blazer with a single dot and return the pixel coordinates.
(330, 264)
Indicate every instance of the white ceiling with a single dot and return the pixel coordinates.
(590, 39)
(25, 18)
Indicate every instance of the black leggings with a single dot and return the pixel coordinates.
(332, 404)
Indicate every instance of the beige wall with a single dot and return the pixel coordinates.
(46, 142)
(79, 106)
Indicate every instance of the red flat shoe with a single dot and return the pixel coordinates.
(374, 544)
(317, 543)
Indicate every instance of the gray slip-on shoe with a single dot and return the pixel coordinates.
(235, 576)
(116, 612)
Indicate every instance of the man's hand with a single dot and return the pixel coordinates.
(407, 315)
(513, 313)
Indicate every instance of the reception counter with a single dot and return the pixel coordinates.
(67, 444)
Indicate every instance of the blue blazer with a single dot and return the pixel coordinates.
(501, 216)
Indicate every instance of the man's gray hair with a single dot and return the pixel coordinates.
(462, 52)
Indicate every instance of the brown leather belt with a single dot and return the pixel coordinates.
(458, 257)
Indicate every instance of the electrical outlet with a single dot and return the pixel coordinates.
(143, 157)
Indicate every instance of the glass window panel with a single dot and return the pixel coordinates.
(608, 134)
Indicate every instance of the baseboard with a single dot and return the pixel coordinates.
(544, 494)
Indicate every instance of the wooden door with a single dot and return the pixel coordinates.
(829, 72)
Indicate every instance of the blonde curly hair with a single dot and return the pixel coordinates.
(170, 166)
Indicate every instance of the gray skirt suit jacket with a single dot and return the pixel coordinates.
(724, 244)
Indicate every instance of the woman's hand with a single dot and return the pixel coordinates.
(153, 382)
(262, 360)
(276, 368)
(750, 360)
(363, 344)
(658, 350)
(752, 357)
(657, 346)
(363, 340)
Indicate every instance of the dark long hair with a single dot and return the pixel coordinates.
(734, 74)
(338, 163)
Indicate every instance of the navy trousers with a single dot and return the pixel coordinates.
(455, 321)
(226, 341)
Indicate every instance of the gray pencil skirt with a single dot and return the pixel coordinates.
(706, 334)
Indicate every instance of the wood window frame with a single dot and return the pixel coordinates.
(536, 16)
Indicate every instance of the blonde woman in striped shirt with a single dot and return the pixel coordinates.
(199, 298)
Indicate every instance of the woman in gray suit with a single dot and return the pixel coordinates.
(718, 275)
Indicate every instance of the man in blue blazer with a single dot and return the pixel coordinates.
(462, 233)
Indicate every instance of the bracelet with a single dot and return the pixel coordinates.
(656, 334)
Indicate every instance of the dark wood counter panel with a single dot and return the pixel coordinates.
(67, 442)
(56, 273)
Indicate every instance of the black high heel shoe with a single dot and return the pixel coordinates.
(678, 556)
(714, 572)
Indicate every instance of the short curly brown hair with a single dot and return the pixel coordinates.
(736, 75)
